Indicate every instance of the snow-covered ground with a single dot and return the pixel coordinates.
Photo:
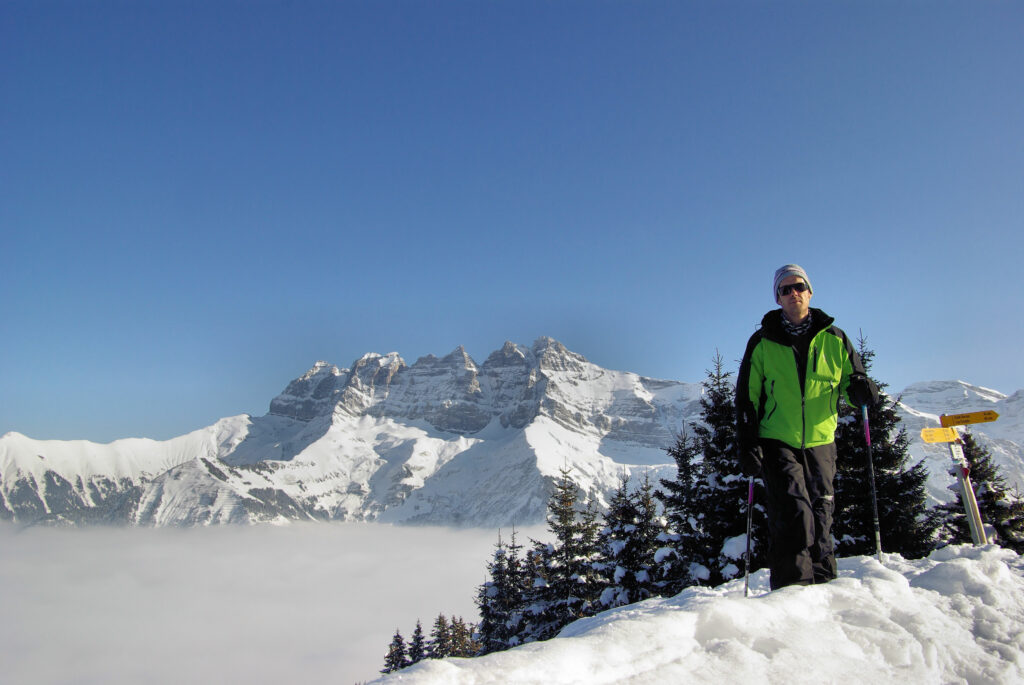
(956, 617)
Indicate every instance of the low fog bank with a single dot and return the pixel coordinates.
(298, 603)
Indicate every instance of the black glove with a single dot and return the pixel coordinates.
(863, 391)
(750, 461)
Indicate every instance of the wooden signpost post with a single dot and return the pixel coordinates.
(949, 435)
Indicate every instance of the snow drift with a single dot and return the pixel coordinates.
(957, 616)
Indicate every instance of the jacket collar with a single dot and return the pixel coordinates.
(772, 328)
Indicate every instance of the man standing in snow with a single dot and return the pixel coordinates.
(787, 396)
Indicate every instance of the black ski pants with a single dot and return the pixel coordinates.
(800, 503)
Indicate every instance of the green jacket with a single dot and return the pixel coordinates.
(790, 392)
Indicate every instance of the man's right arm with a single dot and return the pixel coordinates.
(748, 392)
(748, 399)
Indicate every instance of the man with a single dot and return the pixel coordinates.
(787, 394)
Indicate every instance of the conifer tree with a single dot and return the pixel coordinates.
(722, 487)
(494, 631)
(907, 525)
(627, 546)
(679, 501)
(501, 600)
(417, 646)
(714, 502)
(530, 628)
(397, 657)
(1000, 509)
(440, 644)
(564, 580)
(644, 544)
(463, 644)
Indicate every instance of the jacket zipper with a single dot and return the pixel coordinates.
(813, 350)
(803, 419)
(771, 394)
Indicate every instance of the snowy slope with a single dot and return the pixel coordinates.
(71, 479)
(957, 616)
(921, 405)
(445, 441)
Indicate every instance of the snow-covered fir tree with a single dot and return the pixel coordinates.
(417, 648)
(907, 525)
(449, 637)
(440, 644)
(1002, 511)
(719, 495)
(627, 546)
(678, 498)
(490, 601)
(397, 656)
(564, 582)
(501, 599)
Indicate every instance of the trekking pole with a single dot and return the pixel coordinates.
(874, 496)
(750, 518)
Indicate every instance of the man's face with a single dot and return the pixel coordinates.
(795, 304)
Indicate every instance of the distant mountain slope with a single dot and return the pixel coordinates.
(444, 441)
(75, 481)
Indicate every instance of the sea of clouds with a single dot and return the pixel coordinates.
(263, 604)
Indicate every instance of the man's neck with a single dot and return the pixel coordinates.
(797, 329)
(796, 322)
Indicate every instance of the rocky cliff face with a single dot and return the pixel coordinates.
(443, 441)
(514, 386)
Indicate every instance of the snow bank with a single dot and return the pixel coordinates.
(957, 616)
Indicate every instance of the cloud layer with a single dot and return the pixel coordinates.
(301, 603)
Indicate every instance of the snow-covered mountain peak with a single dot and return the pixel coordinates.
(312, 394)
(383, 360)
(941, 395)
(321, 365)
(457, 360)
(510, 355)
(375, 370)
(459, 355)
(453, 393)
(552, 355)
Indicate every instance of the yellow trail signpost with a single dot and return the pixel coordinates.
(949, 435)
(939, 435)
(969, 418)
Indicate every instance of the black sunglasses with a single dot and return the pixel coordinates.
(787, 289)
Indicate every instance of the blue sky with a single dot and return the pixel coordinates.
(198, 200)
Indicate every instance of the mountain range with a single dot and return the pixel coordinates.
(444, 441)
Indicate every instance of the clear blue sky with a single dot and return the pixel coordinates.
(198, 200)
